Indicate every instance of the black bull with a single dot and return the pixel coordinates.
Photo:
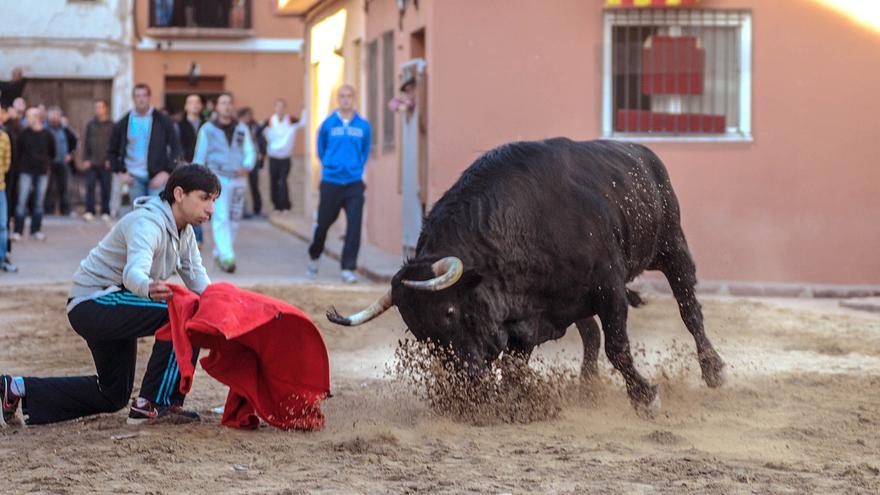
(536, 236)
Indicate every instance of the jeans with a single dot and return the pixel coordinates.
(141, 187)
(57, 190)
(4, 221)
(26, 183)
(335, 197)
(98, 175)
(228, 210)
(279, 169)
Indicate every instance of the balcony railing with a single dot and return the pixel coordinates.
(200, 18)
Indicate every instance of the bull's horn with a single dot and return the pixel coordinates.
(372, 311)
(447, 271)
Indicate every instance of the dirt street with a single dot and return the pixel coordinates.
(800, 414)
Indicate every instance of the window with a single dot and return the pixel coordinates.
(388, 81)
(373, 92)
(229, 14)
(677, 74)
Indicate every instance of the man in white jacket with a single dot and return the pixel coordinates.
(119, 294)
(227, 148)
(280, 134)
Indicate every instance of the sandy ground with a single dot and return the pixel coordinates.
(800, 414)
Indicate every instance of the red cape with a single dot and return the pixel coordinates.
(268, 352)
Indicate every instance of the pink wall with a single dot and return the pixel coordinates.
(800, 203)
(384, 216)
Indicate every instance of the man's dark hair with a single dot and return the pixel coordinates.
(226, 93)
(141, 86)
(244, 111)
(190, 177)
(102, 100)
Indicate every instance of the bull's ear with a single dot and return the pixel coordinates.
(470, 279)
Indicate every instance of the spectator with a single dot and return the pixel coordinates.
(12, 89)
(280, 133)
(246, 116)
(225, 146)
(188, 128)
(59, 173)
(144, 146)
(343, 148)
(95, 162)
(12, 126)
(36, 152)
(5, 160)
(190, 124)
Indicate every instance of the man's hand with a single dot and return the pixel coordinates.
(86, 164)
(159, 291)
(125, 177)
(107, 164)
(158, 181)
(243, 172)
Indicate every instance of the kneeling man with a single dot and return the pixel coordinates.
(119, 294)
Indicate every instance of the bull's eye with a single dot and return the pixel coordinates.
(450, 311)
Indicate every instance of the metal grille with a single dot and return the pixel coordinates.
(388, 81)
(373, 91)
(231, 14)
(676, 72)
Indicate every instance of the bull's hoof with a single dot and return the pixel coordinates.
(648, 402)
(714, 371)
(589, 371)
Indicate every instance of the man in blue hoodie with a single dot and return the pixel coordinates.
(343, 148)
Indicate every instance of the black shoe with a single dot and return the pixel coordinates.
(152, 414)
(9, 400)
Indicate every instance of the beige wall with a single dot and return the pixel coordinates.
(797, 204)
(256, 79)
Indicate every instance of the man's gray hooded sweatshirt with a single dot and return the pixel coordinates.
(143, 246)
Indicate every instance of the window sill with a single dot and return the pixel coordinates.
(654, 138)
(200, 32)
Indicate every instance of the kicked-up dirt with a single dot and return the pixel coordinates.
(800, 414)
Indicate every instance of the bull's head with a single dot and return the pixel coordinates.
(443, 302)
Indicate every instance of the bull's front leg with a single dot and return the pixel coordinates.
(612, 312)
(589, 330)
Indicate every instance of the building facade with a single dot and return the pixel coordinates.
(766, 135)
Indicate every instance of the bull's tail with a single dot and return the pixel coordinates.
(634, 298)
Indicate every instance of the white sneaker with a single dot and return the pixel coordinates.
(349, 277)
(312, 269)
(105, 217)
(88, 217)
(15, 237)
(39, 236)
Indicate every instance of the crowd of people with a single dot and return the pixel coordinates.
(133, 157)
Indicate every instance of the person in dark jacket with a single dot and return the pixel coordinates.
(35, 154)
(246, 116)
(190, 124)
(12, 89)
(144, 146)
(95, 162)
(57, 192)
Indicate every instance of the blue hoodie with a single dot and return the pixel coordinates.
(343, 149)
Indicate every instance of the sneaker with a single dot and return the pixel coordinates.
(226, 266)
(349, 277)
(312, 269)
(15, 237)
(38, 236)
(9, 401)
(105, 217)
(149, 413)
(8, 267)
(88, 217)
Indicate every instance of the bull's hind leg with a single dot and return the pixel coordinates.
(679, 269)
(613, 316)
(589, 330)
